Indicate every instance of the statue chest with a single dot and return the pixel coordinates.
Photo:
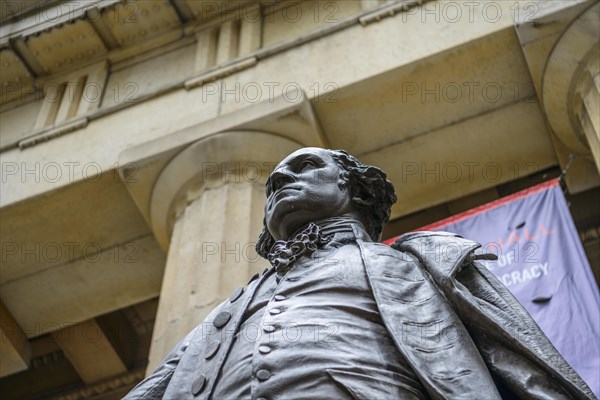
(319, 316)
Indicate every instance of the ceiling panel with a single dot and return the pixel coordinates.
(66, 46)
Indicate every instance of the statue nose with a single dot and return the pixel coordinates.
(281, 178)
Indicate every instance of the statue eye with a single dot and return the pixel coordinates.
(307, 164)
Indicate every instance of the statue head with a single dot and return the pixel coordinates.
(312, 184)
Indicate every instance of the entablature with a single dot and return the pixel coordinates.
(37, 52)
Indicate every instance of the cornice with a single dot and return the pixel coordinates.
(167, 41)
(50, 16)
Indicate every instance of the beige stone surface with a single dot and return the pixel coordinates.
(583, 173)
(590, 114)
(250, 31)
(76, 253)
(563, 71)
(204, 10)
(129, 84)
(300, 17)
(101, 141)
(66, 225)
(558, 41)
(18, 122)
(93, 285)
(358, 53)
(66, 46)
(541, 24)
(134, 22)
(15, 78)
(228, 47)
(466, 157)
(89, 351)
(206, 49)
(14, 346)
(444, 89)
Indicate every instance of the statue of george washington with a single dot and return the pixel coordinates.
(341, 316)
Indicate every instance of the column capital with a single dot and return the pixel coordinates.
(163, 174)
(560, 44)
(568, 65)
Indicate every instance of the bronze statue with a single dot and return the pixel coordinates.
(341, 316)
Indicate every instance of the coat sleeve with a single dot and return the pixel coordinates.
(154, 385)
(522, 361)
(518, 353)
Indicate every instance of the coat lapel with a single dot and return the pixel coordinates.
(424, 327)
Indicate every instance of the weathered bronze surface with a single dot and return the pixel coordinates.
(340, 316)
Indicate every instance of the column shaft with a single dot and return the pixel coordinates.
(211, 253)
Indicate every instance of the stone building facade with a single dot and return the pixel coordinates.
(136, 137)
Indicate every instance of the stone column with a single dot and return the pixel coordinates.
(207, 209)
(587, 104)
(569, 86)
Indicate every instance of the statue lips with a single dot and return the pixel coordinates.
(279, 194)
(284, 189)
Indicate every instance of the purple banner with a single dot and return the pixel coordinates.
(542, 262)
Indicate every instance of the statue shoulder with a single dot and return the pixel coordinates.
(424, 236)
(442, 254)
(381, 249)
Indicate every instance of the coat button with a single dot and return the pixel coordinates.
(255, 276)
(198, 385)
(211, 349)
(274, 311)
(279, 297)
(221, 319)
(269, 328)
(236, 294)
(264, 349)
(263, 374)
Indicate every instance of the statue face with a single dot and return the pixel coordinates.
(306, 186)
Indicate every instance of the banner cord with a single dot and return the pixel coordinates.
(563, 174)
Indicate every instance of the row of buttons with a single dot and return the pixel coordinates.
(264, 374)
(213, 347)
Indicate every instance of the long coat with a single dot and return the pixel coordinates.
(462, 332)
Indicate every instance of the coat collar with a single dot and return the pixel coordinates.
(443, 252)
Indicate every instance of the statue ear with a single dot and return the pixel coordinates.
(343, 180)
